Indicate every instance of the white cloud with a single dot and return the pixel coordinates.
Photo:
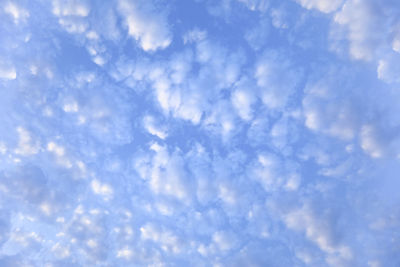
(370, 142)
(319, 231)
(92, 35)
(181, 65)
(73, 25)
(364, 28)
(7, 72)
(165, 173)
(56, 149)
(195, 35)
(151, 126)
(396, 44)
(227, 193)
(61, 251)
(70, 8)
(103, 113)
(149, 27)
(267, 170)
(279, 18)
(3, 148)
(200, 167)
(258, 131)
(71, 107)
(260, 5)
(61, 157)
(190, 108)
(108, 26)
(225, 240)
(277, 79)
(72, 15)
(242, 101)
(219, 63)
(293, 182)
(325, 6)
(18, 13)
(389, 69)
(184, 96)
(102, 189)
(26, 183)
(164, 238)
(329, 118)
(221, 120)
(280, 133)
(328, 110)
(369, 31)
(185, 104)
(26, 146)
(99, 60)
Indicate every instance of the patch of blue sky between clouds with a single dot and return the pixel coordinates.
(199, 133)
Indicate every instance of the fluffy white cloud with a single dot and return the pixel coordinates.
(389, 69)
(334, 120)
(18, 13)
(364, 28)
(70, 8)
(8, 72)
(194, 35)
(26, 146)
(165, 173)
(319, 231)
(169, 242)
(268, 172)
(396, 44)
(102, 189)
(225, 240)
(323, 113)
(72, 15)
(325, 6)
(154, 129)
(370, 30)
(242, 101)
(370, 142)
(277, 79)
(149, 27)
(221, 121)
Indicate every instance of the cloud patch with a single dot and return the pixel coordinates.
(146, 25)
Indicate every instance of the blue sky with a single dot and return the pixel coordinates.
(199, 133)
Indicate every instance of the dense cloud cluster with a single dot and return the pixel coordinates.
(199, 133)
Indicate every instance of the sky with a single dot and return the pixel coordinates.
(200, 133)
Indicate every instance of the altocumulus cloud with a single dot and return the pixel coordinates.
(199, 133)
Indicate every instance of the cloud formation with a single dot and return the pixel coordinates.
(199, 133)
